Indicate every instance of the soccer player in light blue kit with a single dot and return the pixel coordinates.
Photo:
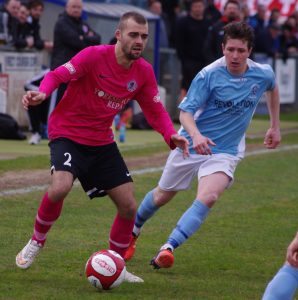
(285, 283)
(214, 116)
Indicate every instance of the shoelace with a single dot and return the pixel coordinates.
(31, 251)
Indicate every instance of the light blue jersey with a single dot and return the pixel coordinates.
(223, 104)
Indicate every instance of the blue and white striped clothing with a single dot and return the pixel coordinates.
(223, 104)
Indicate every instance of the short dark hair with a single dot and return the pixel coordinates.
(236, 2)
(137, 17)
(35, 3)
(196, 1)
(240, 31)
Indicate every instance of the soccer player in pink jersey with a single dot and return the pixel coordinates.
(101, 80)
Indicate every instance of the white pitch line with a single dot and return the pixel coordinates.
(142, 171)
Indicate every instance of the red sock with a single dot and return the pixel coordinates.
(120, 234)
(47, 214)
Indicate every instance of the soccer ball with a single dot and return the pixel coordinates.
(105, 269)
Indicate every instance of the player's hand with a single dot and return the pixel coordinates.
(272, 138)
(33, 98)
(181, 142)
(292, 252)
(201, 144)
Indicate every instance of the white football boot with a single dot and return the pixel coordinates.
(35, 139)
(129, 277)
(26, 257)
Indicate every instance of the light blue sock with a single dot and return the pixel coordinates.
(146, 210)
(283, 285)
(189, 223)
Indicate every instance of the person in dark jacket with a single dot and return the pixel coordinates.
(71, 35)
(191, 32)
(36, 8)
(8, 14)
(23, 37)
(27, 30)
(212, 13)
(267, 41)
(213, 45)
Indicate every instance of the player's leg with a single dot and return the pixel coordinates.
(48, 212)
(120, 233)
(51, 205)
(150, 205)
(125, 202)
(209, 190)
(283, 285)
(215, 175)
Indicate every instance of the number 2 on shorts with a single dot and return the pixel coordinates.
(67, 162)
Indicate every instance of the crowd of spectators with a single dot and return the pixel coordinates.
(20, 26)
(195, 29)
(275, 34)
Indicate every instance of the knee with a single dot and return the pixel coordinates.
(161, 197)
(128, 209)
(59, 191)
(209, 198)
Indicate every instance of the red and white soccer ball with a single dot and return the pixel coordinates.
(105, 269)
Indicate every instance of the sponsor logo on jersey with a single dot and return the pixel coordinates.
(241, 79)
(110, 100)
(156, 98)
(69, 66)
(234, 107)
(132, 86)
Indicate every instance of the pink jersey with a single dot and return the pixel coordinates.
(98, 89)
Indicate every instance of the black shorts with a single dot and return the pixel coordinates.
(98, 168)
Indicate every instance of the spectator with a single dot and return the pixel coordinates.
(292, 21)
(9, 14)
(155, 7)
(257, 21)
(191, 32)
(213, 45)
(267, 41)
(171, 9)
(288, 41)
(71, 35)
(274, 16)
(38, 115)
(23, 37)
(212, 14)
(36, 8)
(245, 12)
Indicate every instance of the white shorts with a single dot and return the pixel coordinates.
(179, 172)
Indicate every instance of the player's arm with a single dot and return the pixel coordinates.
(77, 67)
(292, 252)
(273, 137)
(200, 142)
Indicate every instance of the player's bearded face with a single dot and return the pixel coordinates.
(236, 53)
(134, 39)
